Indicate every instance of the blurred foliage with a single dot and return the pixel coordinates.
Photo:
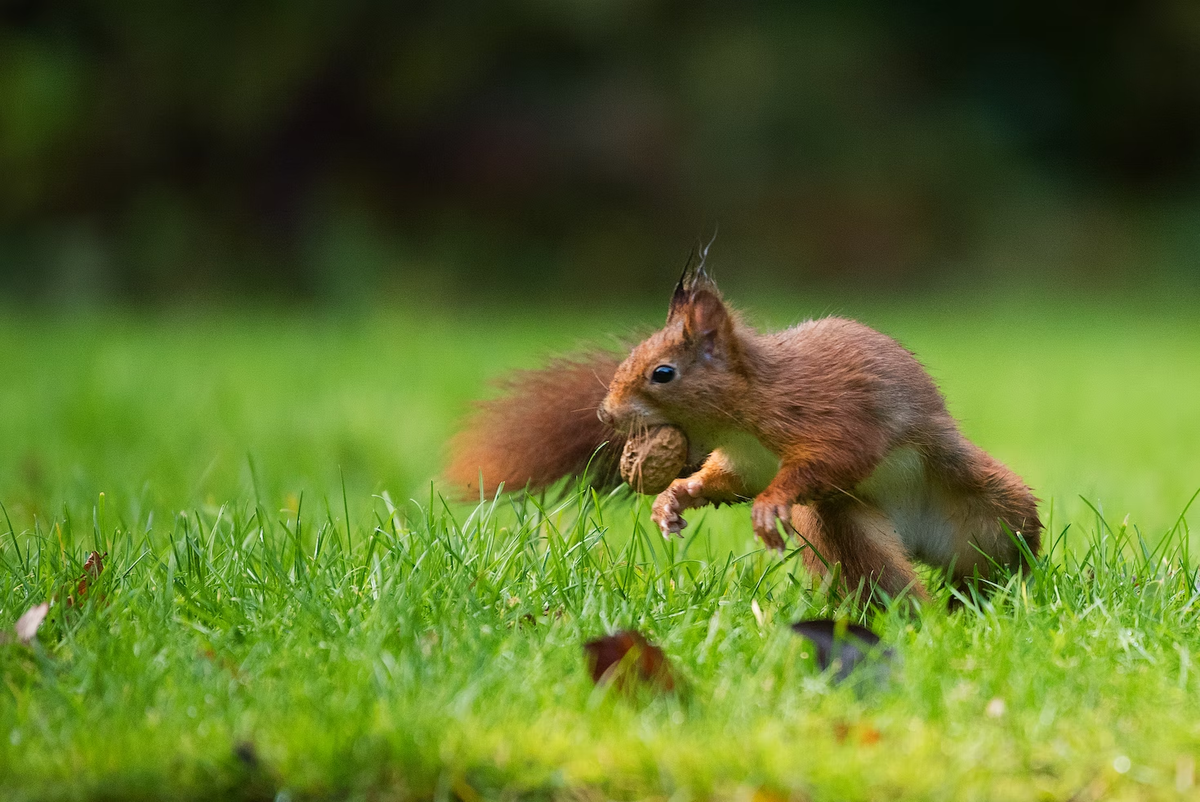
(150, 150)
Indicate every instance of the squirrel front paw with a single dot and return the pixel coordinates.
(765, 515)
(683, 494)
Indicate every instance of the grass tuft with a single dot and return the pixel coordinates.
(438, 651)
(288, 609)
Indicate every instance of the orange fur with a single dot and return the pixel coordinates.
(542, 428)
(869, 465)
(834, 430)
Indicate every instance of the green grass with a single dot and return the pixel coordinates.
(283, 579)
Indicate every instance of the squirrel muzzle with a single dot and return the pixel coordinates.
(605, 416)
(626, 417)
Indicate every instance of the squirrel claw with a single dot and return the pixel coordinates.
(668, 506)
(766, 516)
(672, 526)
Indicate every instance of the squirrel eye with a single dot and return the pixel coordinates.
(662, 374)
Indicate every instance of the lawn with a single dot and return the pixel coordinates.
(288, 608)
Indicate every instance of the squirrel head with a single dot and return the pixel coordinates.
(685, 373)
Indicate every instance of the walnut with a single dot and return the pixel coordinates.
(652, 460)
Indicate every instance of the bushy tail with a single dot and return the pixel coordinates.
(542, 428)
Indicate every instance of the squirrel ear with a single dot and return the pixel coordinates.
(692, 281)
(708, 323)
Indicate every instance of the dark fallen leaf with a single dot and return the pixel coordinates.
(255, 780)
(627, 660)
(246, 753)
(848, 645)
(30, 620)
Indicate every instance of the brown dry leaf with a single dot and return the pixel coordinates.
(222, 662)
(28, 623)
(92, 568)
(865, 734)
(627, 659)
(767, 794)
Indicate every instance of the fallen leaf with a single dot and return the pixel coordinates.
(848, 645)
(766, 793)
(28, 623)
(245, 752)
(92, 568)
(222, 662)
(94, 563)
(627, 659)
(866, 734)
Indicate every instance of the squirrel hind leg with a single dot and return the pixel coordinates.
(987, 515)
(985, 538)
(862, 541)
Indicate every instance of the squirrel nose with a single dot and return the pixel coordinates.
(605, 416)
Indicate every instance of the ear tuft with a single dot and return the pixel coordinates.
(682, 294)
(693, 281)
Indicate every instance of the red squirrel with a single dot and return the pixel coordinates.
(834, 430)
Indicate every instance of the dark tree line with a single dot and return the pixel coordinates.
(149, 148)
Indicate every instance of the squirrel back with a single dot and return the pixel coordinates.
(542, 428)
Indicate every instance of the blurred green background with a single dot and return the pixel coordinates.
(302, 235)
(167, 413)
(451, 150)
